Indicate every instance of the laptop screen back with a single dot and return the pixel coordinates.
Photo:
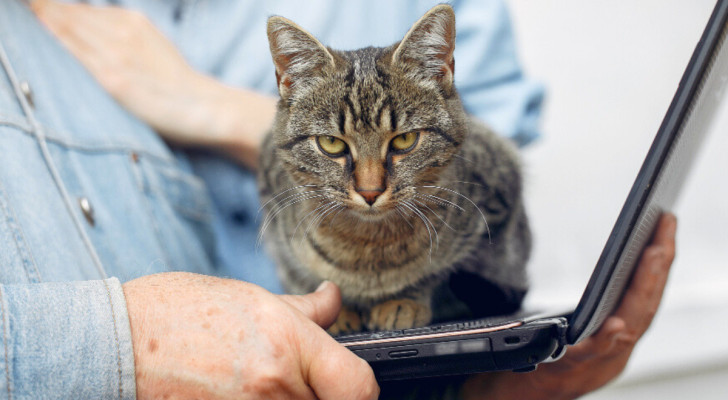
(661, 177)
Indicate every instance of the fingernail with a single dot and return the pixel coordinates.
(322, 286)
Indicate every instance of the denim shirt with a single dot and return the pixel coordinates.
(91, 197)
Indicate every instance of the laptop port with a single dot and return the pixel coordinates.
(403, 353)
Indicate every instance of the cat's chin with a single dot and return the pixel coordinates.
(372, 213)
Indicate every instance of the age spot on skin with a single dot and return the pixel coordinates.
(153, 345)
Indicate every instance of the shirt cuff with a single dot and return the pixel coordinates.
(65, 340)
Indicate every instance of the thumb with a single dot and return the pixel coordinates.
(41, 6)
(321, 306)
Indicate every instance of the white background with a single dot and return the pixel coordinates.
(611, 69)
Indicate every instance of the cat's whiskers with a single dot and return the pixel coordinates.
(272, 215)
(438, 200)
(436, 214)
(434, 229)
(274, 207)
(487, 228)
(404, 217)
(426, 221)
(278, 208)
(321, 206)
(322, 216)
(469, 183)
(316, 221)
(462, 158)
(336, 214)
(285, 202)
(281, 193)
(408, 207)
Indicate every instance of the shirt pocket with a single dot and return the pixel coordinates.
(180, 210)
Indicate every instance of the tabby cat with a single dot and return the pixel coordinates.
(373, 177)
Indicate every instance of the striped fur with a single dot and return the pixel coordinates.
(450, 205)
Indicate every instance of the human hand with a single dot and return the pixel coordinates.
(196, 337)
(600, 358)
(147, 75)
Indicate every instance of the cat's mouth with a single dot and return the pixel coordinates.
(370, 210)
(370, 202)
(379, 210)
(373, 214)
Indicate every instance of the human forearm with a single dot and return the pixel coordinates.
(231, 120)
(147, 75)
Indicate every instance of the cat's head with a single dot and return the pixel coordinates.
(371, 126)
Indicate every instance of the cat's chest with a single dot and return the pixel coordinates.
(372, 261)
(365, 247)
(361, 271)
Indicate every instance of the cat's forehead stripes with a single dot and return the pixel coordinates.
(366, 106)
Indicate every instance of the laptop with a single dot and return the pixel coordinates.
(520, 342)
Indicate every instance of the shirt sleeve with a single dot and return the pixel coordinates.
(67, 340)
(488, 74)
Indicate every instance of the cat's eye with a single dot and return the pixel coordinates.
(331, 146)
(405, 141)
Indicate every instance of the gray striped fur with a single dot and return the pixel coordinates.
(451, 204)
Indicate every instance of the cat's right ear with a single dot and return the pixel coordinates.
(298, 57)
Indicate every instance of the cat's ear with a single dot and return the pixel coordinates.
(297, 55)
(426, 52)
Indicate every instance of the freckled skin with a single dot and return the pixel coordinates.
(258, 346)
(421, 190)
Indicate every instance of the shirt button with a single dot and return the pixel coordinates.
(87, 210)
(27, 92)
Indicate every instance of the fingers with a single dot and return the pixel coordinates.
(331, 370)
(640, 302)
(321, 306)
(334, 372)
(69, 24)
(598, 345)
(599, 358)
(621, 331)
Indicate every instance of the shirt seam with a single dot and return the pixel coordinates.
(92, 148)
(5, 345)
(18, 234)
(116, 339)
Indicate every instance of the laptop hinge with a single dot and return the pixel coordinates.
(561, 329)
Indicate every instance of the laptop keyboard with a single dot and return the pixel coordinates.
(437, 328)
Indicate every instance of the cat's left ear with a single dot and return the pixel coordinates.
(426, 52)
(299, 57)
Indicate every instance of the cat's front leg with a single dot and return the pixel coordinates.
(399, 314)
(348, 321)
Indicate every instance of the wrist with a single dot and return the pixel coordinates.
(232, 120)
(245, 117)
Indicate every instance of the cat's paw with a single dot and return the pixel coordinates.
(399, 314)
(348, 321)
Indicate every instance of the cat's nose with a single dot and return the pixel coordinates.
(370, 196)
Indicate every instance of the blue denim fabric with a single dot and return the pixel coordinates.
(63, 319)
(63, 322)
